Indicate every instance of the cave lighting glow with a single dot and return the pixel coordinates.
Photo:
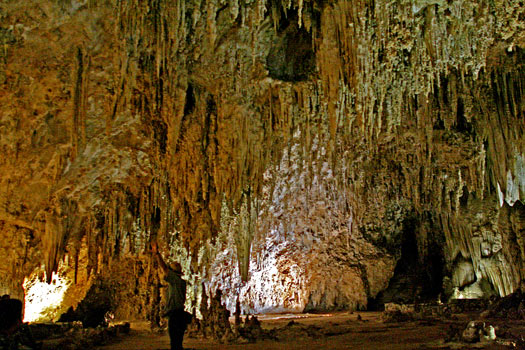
(42, 300)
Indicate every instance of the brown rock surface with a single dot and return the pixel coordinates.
(292, 178)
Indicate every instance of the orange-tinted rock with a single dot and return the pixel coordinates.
(301, 155)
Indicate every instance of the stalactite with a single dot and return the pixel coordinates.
(399, 100)
(496, 265)
(246, 225)
(78, 136)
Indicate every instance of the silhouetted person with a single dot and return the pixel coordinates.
(178, 319)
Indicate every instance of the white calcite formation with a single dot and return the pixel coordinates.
(288, 152)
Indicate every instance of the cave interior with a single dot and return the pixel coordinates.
(292, 155)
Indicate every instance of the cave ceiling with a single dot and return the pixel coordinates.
(240, 133)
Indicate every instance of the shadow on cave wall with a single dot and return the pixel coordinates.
(94, 308)
(291, 57)
(416, 279)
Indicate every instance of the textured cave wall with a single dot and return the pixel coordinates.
(307, 253)
(445, 133)
(125, 121)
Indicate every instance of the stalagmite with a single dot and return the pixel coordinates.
(294, 154)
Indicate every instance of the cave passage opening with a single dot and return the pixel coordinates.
(417, 277)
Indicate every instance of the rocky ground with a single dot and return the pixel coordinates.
(358, 330)
(496, 323)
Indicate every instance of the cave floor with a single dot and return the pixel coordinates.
(331, 331)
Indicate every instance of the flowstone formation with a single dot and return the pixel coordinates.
(298, 154)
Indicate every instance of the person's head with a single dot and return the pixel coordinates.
(5, 296)
(175, 266)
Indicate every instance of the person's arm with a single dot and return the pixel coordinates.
(155, 251)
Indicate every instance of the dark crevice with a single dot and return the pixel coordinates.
(189, 104)
(413, 281)
(463, 200)
(291, 57)
(444, 89)
(462, 125)
(439, 124)
(156, 220)
(160, 133)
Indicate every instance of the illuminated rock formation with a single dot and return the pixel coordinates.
(297, 154)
